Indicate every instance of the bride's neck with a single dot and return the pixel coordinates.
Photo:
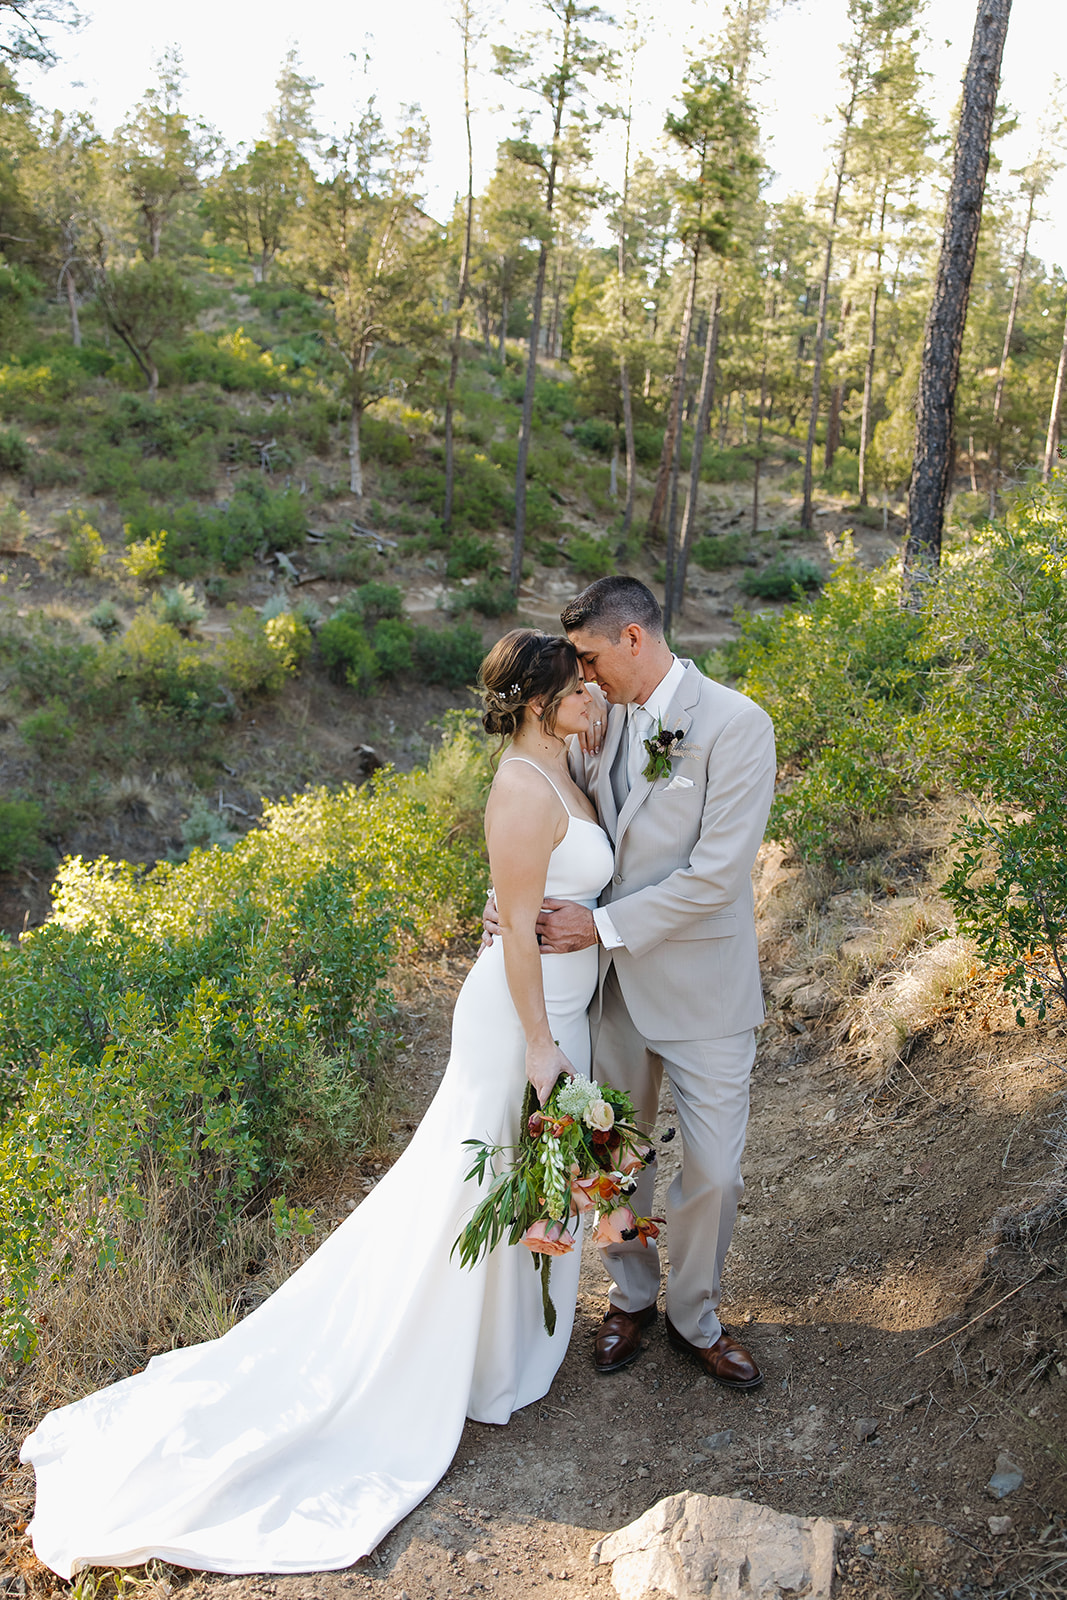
(536, 745)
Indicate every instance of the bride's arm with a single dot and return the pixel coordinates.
(521, 824)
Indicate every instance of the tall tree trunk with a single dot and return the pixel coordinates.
(486, 340)
(613, 473)
(674, 416)
(505, 309)
(1052, 439)
(931, 472)
(1009, 332)
(872, 345)
(700, 433)
(72, 304)
(833, 426)
(464, 272)
(355, 457)
(759, 443)
(631, 447)
(858, 70)
(624, 371)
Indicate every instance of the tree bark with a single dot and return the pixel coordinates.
(504, 310)
(931, 472)
(674, 416)
(72, 303)
(872, 344)
(1009, 331)
(1052, 440)
(631, 448)
(833, 427)
(700, 433)
(355, 458)
(526, 427)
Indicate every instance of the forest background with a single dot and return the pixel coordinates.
(283, 450)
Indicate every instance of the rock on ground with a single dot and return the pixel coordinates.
(713, 1547)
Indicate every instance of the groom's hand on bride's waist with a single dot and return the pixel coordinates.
(564, 926)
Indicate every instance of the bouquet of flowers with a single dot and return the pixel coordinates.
(579, 1152)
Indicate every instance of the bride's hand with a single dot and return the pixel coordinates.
(591, 738)
(544, 1063)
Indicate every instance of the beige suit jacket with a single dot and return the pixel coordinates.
(681, 894)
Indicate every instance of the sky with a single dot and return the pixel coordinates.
(408, 52)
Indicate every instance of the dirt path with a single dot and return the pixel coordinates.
(867, 1234)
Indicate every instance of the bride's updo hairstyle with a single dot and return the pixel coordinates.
(526, 665)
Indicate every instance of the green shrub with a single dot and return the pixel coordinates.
(347, 652)
(85, 547)
(289, 638)
(726, 466)
(371, 602)
(153, 663)
(782, 578)
(466, 554)
(225, 536)
(721, 550)
(385, 442)
(49, 730)
(145, 559)
(590, 557)
(21, 844)
(255, 657)
(450, 656)
(391, 641)
(212, 1026)
(596, 434)
(491, 596)
(180, 607)
(14, 451)
(648, 443)
(106, 618)
(47, 470)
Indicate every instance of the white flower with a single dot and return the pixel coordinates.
(599, 1115)
(575, 1096)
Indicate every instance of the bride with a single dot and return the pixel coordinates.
(297, 1440)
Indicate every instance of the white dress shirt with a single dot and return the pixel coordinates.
(641, 720)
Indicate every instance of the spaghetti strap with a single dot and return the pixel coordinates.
(528, 763)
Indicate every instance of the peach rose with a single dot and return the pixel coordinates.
(612, 1225)
(548, 1239)
(581, 1197)
(599, 1116)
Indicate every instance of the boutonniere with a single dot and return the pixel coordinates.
(662, 748)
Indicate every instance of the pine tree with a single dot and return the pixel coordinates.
(942, 339)
(557, 67)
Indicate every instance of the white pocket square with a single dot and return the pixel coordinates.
(677, 782)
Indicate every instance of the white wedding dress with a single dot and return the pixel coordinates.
(297, 1440)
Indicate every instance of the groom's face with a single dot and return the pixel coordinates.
(614, 666)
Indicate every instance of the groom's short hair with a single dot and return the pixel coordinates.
(610, 604)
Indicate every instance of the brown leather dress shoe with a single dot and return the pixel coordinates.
(728, 1362)
(618, 1338)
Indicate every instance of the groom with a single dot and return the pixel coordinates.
(679, 975)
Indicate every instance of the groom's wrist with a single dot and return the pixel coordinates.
(606, 932)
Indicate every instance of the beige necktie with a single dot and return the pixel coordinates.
(637, 756)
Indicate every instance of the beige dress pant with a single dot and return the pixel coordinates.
(709, 1080)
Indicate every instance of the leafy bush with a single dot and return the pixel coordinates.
(782, 578)
(590, 557)
(596, 434)
(726, 466)
(721, 550)
(161, 1028)
(347, 652)
(85, 547)
(450, 656)
(105, 618)
(154, 664)
(491, 596)
(225, 536)
(466, 554)
(373, 601)
(49, 730)
(648, 443)
(20, 838)
(256, 657)
(391, 642)
(14, 451)
(180, 607)
(145, 559)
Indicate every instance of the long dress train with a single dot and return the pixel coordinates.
(297, 1440)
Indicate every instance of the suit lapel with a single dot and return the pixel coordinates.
(604, 795)
(679, 716)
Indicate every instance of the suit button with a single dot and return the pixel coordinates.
(617, 878)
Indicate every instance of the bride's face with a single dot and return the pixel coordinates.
(572, 713)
